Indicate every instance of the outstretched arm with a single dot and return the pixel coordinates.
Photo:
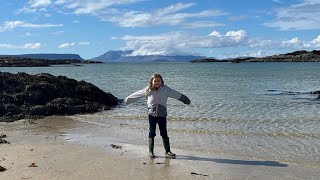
(179, 96)
(135, 96)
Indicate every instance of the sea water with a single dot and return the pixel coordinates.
(253, 110)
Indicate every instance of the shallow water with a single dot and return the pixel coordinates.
(258, 110)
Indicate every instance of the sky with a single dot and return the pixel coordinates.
(212, 28)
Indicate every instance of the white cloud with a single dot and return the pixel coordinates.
(173, 8)
(76, 6)
(28, 34)
(32, 45)
(57, 32)
(8, 25)
(258, 53)
(262, 43)
(302, 16)
(165, 16)
(181, 43)
(66, 45)
(90, 6)
(8, 46)
(315, 43)
(26, 10)
(174, 43)
(72, 44)
(217, 40)
(105, 10)
(33, 6)
(58, 2)
(237, 18)
(26, 46)
(215, 34)
(293, 43)
(163, 44)
(93, 6)
(84, 43)
(200, 24)
(39, 3)
(238, 36)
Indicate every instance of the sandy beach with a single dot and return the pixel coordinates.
(41, 150)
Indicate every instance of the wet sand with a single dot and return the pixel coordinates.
(44, 149)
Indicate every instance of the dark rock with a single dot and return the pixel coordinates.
(194, 173)
(318, 93)
(116, 146)
(207, 60)
(315, 92)
(47, 56)
(2, 141)
(35, 96)
(296, 56)
(2, 169)
(296, 53)
(17, 61)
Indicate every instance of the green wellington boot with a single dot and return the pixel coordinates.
(166, 144)
(151, 147)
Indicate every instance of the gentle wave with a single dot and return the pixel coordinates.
(192, 129)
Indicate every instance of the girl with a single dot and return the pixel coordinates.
(157, 95)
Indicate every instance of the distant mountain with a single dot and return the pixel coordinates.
(47, 56)
(112, 55)
(124, 56)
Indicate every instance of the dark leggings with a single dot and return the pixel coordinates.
(162, 123)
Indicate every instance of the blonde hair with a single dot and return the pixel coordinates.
(150, 85)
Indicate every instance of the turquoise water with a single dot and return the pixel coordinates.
(240, 109)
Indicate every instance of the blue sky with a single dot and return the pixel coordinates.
(212, 28)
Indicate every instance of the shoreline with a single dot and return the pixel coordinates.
(49, 145)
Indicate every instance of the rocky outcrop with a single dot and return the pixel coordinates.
(296, 56)
(27, 62)
(209, 60)
(50, 56)
(233, 60)
(35, 96)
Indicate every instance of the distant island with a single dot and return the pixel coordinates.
(15, 61)
(296, 56)
(125, 56)
(48, 56)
